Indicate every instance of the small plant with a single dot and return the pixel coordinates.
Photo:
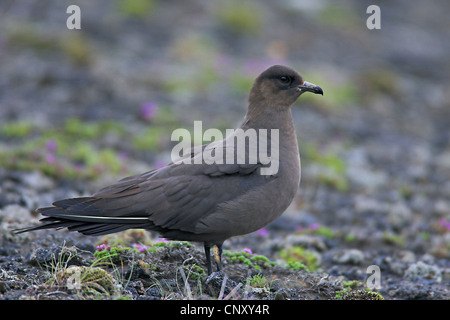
(360, 295)
(258, 281)
(394, 239)
(295, 265)
(240, 17)
(298, 254)
(252, 261)
(331, 168)
(89, 280)
(150, 140)
(324, 231)
(17, 129)
(136, 8)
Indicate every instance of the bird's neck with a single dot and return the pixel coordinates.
(278, 118)
(269, 117)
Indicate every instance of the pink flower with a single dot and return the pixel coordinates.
(140, 247)
(247, 250)
(313, 226)
(443, 223)
(51, 145)
(263, 232)
(149, 110)
(50, 159)
(102, 247)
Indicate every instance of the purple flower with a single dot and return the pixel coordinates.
(263, 232)
(443, 223)
(123, 155)
(50, 159)
(149, 110)
(51, 145)
(101, 247)
(313, 226)
(247, 250)
(140, 247)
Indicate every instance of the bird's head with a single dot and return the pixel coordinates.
(280, 86)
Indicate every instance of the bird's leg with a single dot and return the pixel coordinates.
(208, 258)
(218, 256)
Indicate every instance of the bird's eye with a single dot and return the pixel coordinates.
(285, 79)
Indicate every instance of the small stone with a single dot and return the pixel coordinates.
(307, 241)
(421, 270)
(15, 213)
(37, 180)
(349, 256)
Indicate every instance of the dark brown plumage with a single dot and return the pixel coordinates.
(203, 202)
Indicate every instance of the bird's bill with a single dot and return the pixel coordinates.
(311, 87)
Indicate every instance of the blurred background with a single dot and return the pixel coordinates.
(82, 108)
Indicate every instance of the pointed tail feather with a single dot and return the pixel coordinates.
(79, 214)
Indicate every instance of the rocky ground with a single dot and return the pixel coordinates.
(82, 108)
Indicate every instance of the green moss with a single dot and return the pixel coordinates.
(256, 262)
(328, 159)
(136, 8)
(194, 271)
(350, 237)
(171, 244)
(81, 129)
(167, 117)
(361, 295)
(392, 238)
(299, 254)
(74, 153)
(339, 16)
(76, 48)
(295, 265)
(150, 139)
(258, 281)
(324, 231)
(240, 17)
(112, 254)
(16, 129)
(351, 284)
(348, 286)
(380, 80)
(28, 36)
(334, 167)
(72, 45)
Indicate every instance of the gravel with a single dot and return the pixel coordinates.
(375, 150)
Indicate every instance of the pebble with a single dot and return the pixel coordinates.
(421, 270)
(14, 213)
(348, 256)
(307, 241)
(360, 172)
(399, 214)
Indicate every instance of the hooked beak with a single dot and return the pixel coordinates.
(307, 86)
